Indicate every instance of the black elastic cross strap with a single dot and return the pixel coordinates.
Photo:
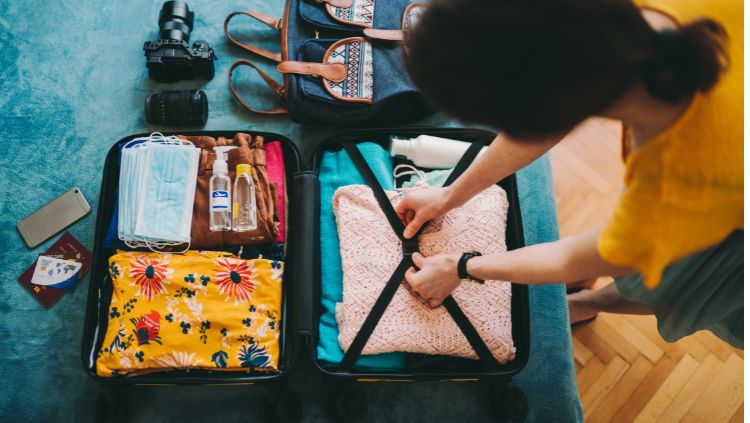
(465, 162)
(471, 334)
(463, 322)
(377, 189)
(381, 304)
(409, 246)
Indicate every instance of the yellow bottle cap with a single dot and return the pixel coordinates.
(243, 169)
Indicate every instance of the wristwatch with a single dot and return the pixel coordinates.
(463, 274)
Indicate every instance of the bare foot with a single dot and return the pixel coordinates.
(580, 307)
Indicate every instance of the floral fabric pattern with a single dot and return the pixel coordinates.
(150, 275)
(233, 279)
(205, 310)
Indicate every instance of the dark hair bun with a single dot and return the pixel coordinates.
(685, 60)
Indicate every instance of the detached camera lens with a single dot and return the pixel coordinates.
(177, 108)
(175, 21)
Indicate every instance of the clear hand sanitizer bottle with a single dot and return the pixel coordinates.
(245, 216)
(221, 192)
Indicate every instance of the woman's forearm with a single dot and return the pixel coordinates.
(567, 260)
(502, 158)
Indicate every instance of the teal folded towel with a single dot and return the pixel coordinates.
(337, 170)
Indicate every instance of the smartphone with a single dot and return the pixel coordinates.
(52, 218)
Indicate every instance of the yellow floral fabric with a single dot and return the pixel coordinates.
(206, 309)
(685, 188)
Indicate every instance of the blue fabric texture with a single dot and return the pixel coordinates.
(337, 170)
(551, 353)
(61, 110)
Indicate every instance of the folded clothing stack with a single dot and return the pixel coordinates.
(337, 170)
(267, 159)
(205, 310)
(249, 151)
(371, 251)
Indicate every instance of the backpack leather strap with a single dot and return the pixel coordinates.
(335, 72)
(274, 23)
(275, 86)
(384, 34)
(344, 4)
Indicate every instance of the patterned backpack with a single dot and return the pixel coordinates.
(341, 60)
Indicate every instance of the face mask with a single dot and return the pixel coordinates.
(156, 200)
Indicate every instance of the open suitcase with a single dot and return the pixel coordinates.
(301, 296)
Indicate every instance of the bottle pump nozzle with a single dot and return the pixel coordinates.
(220, 164)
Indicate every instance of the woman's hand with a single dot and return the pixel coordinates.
(422, 205)
(436, 278)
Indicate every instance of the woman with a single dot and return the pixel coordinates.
(672, 72)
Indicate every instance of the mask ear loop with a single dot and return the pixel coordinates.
(156, 247)
(405, 170)
(142, 140)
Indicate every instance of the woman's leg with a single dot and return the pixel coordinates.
(586, 304)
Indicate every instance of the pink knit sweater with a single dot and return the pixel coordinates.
(370, 252)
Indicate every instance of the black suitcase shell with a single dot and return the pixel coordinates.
(100, 287)
(301, 293)
(306, 306)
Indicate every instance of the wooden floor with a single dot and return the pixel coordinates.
(625, 371)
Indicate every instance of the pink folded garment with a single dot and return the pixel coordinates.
(275, 172)
(370, 252)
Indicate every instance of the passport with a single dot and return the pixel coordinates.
(65, 248)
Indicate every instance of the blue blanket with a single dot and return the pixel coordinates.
(337, 170)
(72, 83)
(549, 378)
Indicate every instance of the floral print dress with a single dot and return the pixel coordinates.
(208, 310)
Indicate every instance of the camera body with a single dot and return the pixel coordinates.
(175, 60)
(171, 58)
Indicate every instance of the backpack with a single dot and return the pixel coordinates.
(341, 61)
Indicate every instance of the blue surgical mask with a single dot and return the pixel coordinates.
(156, 199)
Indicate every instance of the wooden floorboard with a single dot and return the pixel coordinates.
(625, 370)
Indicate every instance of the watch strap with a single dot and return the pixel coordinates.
(462, 264)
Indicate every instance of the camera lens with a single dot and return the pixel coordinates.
(175, 21)
(177, 108)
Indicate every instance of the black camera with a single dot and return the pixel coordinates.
(170, 58)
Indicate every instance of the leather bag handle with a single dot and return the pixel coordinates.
(272, 22)
(275, 86)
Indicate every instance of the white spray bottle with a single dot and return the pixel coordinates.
(430, 152)
(221, 192)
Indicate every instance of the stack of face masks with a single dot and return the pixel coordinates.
(157, 188)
